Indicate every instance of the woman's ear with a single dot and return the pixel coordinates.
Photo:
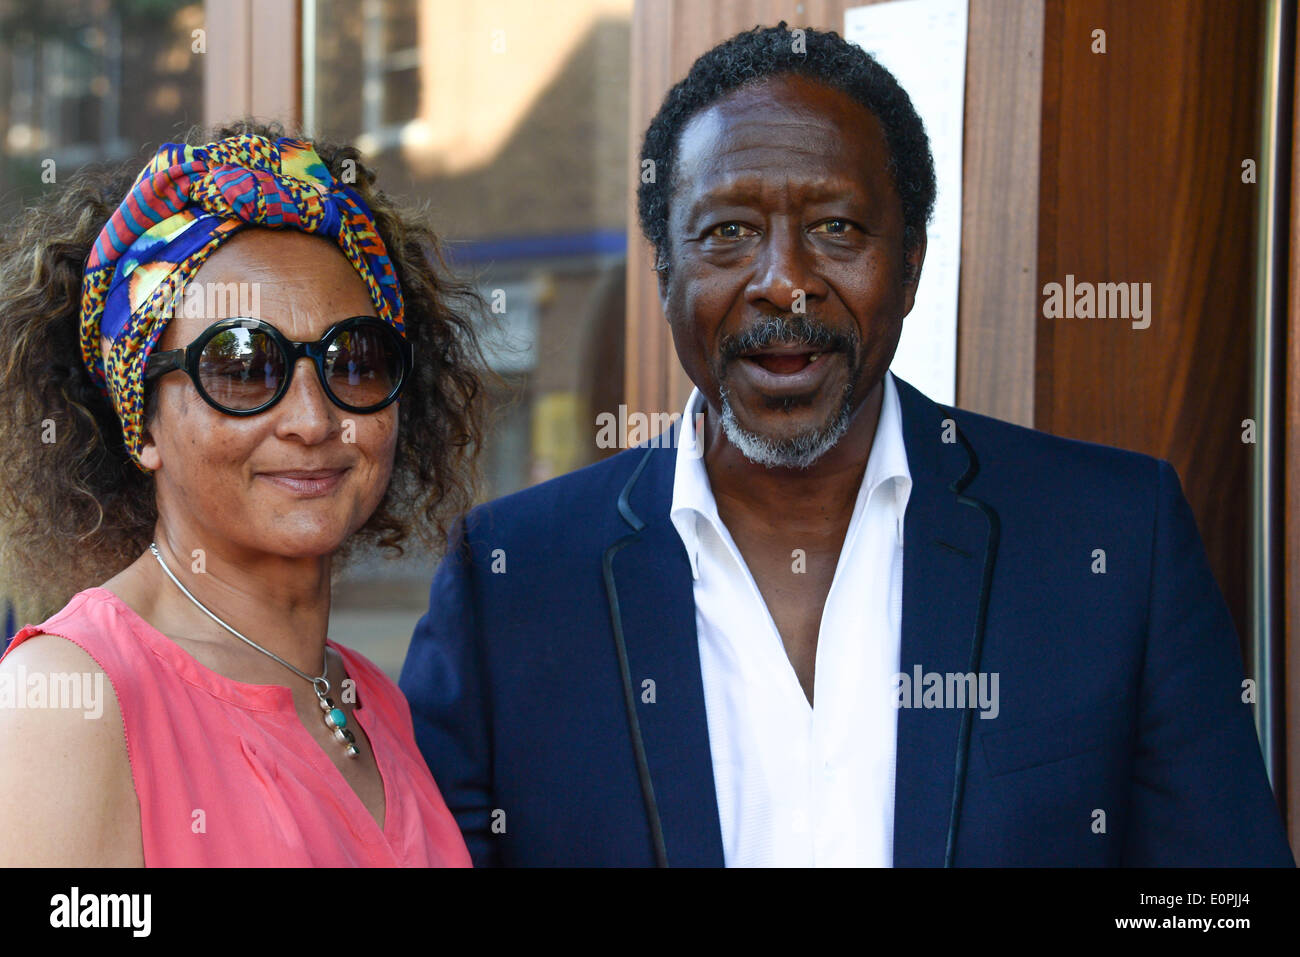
(150, 457)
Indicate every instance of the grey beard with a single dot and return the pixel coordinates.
(797, 453)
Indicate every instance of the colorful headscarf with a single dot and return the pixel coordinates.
(183, 206)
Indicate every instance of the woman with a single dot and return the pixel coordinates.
(207, 471)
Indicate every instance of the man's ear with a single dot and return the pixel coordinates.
(913, 259)
(661, 275)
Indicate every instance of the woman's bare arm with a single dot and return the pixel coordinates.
(66, 793)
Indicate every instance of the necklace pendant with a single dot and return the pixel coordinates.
(337, 722)
(351, 742)
(335, 719)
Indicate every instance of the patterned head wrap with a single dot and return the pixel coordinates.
(183, 206)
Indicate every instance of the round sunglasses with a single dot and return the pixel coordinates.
(244, 366)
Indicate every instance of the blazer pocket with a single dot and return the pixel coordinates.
(1055, 737)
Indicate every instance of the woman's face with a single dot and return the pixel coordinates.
(299, 478)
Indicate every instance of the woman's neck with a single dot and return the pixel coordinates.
(280, 603)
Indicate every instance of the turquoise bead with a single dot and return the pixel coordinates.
(338, 719)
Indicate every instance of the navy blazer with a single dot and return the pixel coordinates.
(1121, 739)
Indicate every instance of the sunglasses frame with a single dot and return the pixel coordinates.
(187, 360)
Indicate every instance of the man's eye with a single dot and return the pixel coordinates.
(731, 231)
(837, 227)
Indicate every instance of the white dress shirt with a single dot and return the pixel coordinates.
(798, 785)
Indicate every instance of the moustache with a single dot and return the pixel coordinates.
(793, 330)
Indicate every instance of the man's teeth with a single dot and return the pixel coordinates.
(813, 357)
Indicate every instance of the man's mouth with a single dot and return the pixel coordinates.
(783, 360)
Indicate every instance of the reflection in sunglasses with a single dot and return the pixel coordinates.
(361, 369)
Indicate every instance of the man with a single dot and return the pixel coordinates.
(830, 622)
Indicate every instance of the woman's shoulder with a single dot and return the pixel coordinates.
(96, 621)
(53, 678)
(65, 772)
(89, 613)
(90, 650)
(36, 652)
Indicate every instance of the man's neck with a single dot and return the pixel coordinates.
(821, 496)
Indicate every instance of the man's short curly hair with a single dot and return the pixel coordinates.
(75, 510)
(763, 53)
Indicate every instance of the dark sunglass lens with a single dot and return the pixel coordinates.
(363, 366)
(241, 369)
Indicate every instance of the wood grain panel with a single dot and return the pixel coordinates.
(227, 66)
(1141, 182)
(998, 309)
(276, 76)
(253, 63)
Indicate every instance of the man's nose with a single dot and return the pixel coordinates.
(785, 271)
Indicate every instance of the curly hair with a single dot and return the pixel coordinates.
(760, 54)
(74, 508)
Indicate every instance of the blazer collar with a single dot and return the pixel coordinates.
(949, 551)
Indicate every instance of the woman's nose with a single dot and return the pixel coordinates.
(306, 411)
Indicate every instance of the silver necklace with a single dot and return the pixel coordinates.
(334, 717)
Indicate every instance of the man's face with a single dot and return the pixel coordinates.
(786, 291)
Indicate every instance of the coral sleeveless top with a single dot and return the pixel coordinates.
(226, 774)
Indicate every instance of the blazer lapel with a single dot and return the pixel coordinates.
(949, 549)
(652, 609)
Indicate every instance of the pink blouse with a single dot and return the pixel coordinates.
(225, 772)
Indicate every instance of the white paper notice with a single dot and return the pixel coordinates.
(923, 43)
